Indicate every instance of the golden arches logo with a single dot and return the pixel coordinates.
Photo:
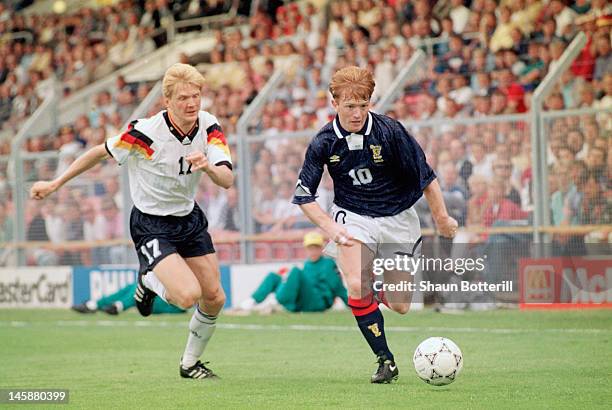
(539, 283)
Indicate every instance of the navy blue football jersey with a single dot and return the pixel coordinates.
(384, 176)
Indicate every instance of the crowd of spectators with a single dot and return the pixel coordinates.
(90, 198)
(485, 58)
(79, 46)
(108, 113)
(75, 49)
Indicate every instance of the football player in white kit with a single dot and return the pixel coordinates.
(166, 155)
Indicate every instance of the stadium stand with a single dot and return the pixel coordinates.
(468, 106)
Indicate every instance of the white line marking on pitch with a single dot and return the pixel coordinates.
(307, 328)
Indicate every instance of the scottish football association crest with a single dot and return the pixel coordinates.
(376, 153)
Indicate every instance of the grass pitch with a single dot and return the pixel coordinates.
(513, 359)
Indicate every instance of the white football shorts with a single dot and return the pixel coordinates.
(384, 235)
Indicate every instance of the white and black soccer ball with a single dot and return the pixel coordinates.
(438, 361)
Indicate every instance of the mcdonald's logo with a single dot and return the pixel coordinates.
(539, 283)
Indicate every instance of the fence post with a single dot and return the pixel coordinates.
(416, 61)
(247, 225)
(47, 108)
(539, 138)
(244, 200)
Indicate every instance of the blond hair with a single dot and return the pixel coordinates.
(180, 73)
(352, 83)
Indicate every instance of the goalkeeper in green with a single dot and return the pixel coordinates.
(314, 288)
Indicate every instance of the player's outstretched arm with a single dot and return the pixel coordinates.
(446, 225)
(42, 189)
(334, 231)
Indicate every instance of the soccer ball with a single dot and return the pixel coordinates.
(438, 361)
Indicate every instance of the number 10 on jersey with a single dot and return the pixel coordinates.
(361, 176)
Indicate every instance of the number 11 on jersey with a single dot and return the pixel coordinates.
(181, 162)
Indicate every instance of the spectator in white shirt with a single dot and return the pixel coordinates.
(460, 15)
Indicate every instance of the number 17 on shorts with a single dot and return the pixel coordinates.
(151, 250)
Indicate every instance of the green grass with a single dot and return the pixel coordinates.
(513, 359)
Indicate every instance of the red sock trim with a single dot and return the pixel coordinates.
(362, 307)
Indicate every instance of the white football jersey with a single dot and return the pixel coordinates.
(161, 180)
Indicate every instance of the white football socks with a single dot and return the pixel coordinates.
(152, 282)
(201, 328)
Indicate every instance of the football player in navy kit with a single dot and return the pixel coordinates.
(166, 155)
(379, 172)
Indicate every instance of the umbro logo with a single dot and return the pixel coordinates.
(334, 158)
(392, 368)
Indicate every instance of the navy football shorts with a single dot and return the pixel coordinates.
(156, 237)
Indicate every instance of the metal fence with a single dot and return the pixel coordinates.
(578, 173)
(257, 221)
(87, 221)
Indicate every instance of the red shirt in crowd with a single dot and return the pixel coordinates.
(505, 210)
(516, 95)
(584, 65)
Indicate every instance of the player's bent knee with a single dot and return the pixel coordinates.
(283, 298)
(219, 301)
(186, 298)
(215, 299)
(185, 303)
(401, 308)
(355, 287)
